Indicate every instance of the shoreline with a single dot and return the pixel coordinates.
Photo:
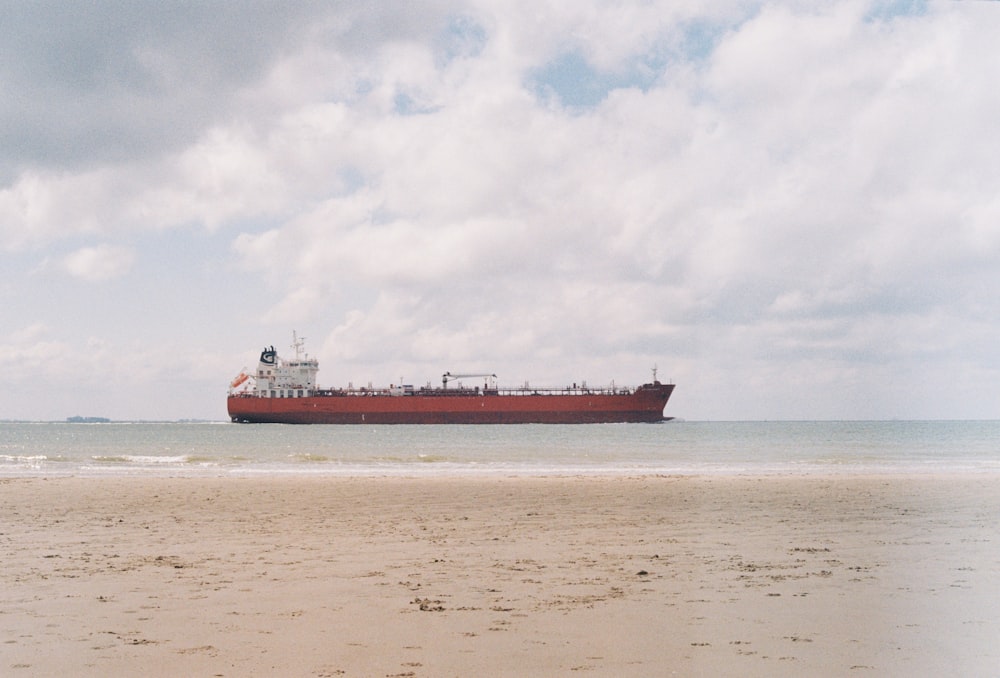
(431, 473)
(632, 575)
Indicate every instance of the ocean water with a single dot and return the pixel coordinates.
(686, 448)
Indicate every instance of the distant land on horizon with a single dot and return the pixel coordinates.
(77, 419)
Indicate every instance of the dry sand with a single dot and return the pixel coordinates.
(650, 576)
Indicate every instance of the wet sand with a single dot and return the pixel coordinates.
(713, 576)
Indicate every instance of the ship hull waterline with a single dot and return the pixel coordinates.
(644, 405)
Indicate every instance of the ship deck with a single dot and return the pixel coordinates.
(451, 392)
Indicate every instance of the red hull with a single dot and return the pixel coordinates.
(644, 404)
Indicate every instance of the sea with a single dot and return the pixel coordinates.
(220, 449)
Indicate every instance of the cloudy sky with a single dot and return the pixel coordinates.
(792, 209)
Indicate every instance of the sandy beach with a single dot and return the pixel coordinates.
(643, 576)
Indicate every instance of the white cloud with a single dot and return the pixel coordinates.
(102, 262)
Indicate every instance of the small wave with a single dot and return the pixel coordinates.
(144, 459)
(138, 459)
(201, 460)
(407, 460)
(29, 459)
(308, 458)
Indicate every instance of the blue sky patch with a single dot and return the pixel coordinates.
(882, 10)
(573, 83)
(700, 39)
(463, 38)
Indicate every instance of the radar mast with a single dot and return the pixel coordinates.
(297, 344)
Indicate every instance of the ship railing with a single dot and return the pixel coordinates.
(568, 390)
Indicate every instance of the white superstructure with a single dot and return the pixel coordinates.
(279, 378)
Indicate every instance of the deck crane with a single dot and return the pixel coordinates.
(448, 376)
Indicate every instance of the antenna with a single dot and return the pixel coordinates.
(297, 344)
(654, 373)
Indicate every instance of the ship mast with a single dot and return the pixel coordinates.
(297, 344)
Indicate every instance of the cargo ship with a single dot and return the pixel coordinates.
(285, 392)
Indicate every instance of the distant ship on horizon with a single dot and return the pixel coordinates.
(285, 392)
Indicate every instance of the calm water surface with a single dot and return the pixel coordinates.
(726, 448)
